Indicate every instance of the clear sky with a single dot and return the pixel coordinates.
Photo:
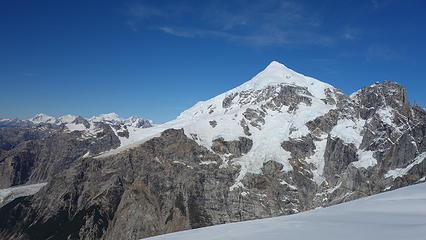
(155, 59)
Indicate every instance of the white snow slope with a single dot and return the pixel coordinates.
(395, 215)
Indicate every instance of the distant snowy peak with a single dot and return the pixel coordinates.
(67, 118)
(43, 118)
(126, 129)
(108, 117)
(5, 122)
(113, 118)
(138, 122)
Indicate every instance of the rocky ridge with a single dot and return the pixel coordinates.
(36, 149)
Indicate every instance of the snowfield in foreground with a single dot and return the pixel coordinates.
(395, 215)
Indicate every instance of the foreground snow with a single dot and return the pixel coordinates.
(399, 214)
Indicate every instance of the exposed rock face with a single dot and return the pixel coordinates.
(161, 186)
(36, 149)
(255, 117)
(263, 149)
(236, 148)
(37, 159)
(83, 121)
(300, 148)
(338, 155)
(158, 187)
(10, 137)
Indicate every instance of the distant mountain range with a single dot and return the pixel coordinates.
(41, 118)
(279, 144)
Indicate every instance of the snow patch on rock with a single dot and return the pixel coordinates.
(365, 159)
(349, 131)
(399, 172)
(9, 194)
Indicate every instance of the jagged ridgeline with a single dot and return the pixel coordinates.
(278, 144)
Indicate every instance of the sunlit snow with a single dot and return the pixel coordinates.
(394, 215)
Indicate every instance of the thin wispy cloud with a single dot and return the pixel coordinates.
(376, 4)
(382, 52)
(351, 33)
(144, 11)
(262, 23)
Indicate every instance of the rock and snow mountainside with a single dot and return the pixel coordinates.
(31, 151)
(279, 144)
(394, 215)
(292, 119)
(124, 129)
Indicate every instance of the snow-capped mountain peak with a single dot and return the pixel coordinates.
(114, 118)
(43, 118)
(111, 117)
(276, 73)
(275, 81)
(271, 115)
(67, 118)
(272, 107)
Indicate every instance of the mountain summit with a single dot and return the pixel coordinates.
(277, 73)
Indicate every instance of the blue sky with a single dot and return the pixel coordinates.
(157, 58)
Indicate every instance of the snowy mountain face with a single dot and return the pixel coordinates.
(271, 108)
(295, 120)
(279, 144)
